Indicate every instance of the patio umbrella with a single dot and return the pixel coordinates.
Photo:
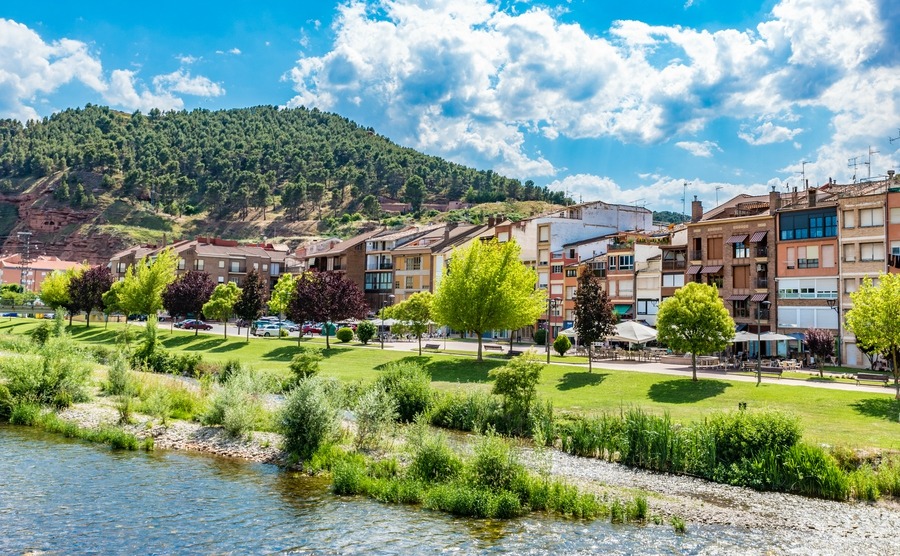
(570, 332)
(743, 336)
(633, 333)
(775, 337)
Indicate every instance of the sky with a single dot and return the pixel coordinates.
(645, 103)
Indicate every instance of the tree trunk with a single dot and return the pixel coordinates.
(590, 358)
(87, 319)
(694, 366)
(225, 328)
(196, 331)
(420, 344)
(248, 334)
(327, 340)
(479, 359)
(106, 323)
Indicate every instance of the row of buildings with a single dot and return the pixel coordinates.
(784, 262)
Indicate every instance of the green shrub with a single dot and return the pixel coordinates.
(309, 417)
(16, 343)
(465, 411)
(6, 403)
(25, 414)
(741, 435)
(888, 475)
(495, 464)
(159, 404)
(344, 334)
(119, 379)
(562, 344)
(125, 408)
(41, 334)
(678, 525)
(365, 331)
(540, 336)
(102, 354)
(516, 384)
(305, 363)
(231, 368)
(864, 484)
(433, 460)
(410, 386)
(811, 471)
(349, 478)
(184, 364)
(375, 411)
(56, 375)
(238, 405)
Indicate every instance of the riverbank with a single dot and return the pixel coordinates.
(801, 525)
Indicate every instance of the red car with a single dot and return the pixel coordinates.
(193, 324)
(311, 328)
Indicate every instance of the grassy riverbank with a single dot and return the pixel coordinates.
(853, 419)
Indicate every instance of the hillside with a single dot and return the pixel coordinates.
(88, 181)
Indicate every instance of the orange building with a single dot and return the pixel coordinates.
(30, 276)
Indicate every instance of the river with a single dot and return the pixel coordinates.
(68, 497)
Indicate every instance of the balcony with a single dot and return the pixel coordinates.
(762, 283)
(697, 255)
(763, 314)
(674, 265)
(742, 313)
(762, 252)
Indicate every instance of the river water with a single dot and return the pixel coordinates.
(67, 497)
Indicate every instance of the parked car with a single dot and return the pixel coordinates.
(290, 325)
(267, 330)
(193, 324)
(9, 315)
(140, 318)
(310, 328)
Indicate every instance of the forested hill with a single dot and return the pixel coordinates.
(228, 161)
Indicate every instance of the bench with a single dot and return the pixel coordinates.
(872, 377)
(432, 346)
(493, 347)
(771, 371)
(514, 352)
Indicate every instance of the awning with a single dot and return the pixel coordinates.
(711, 269)
(736, 239)
(758, 237)
(740, 327)
(623, 309)
(738, 297)
(759, 297)
(797, 335)
(694, 269)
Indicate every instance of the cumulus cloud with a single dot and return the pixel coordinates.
(474, 81)
(699, 148)
(31, 69)
(234, 51)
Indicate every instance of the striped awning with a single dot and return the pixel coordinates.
(711, 269)
(758, 237)
(759, 297)
(694, 269)
(737, 297)
(737, 239)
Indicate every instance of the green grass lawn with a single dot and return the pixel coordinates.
(849, 418)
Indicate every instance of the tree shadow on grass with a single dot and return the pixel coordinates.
(179, 341)
(96, 335)
(570, 381)
(686, 391)
(881, 408)
(206, 345)
(455, 370)
(230, 346)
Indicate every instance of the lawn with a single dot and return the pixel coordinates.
(836, 417)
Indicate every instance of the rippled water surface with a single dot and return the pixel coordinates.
(67, 497)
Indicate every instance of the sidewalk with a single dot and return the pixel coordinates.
(640, 367)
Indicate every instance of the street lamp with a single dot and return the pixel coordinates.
(551, 303)
(759, 341)
(384, 304)
(833, 304)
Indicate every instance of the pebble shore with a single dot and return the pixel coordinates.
(792, 524)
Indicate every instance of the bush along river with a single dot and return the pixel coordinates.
(66, 496)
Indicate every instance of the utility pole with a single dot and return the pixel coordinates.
(26, 261)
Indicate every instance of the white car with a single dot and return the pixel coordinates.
(267, 330)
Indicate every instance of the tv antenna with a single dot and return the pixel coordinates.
(684, 202)
(869, 162)
(803, 164)
(26, 277)
(853, 162)
(718, 187)
(892, 139)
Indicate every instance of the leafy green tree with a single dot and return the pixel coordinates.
(875, 318)
(414, 192)
(253, 298)
(187, 294)
(281, 295)
(415, 313)
(516, 382)
(694, 320)
(221, 303)
(145, 282)
(486, 287)
(365, 331)
(55, 289)
(316, 192)
(562, 344)
(111, 300)
(86, 290)
(595, 318)
(819, 342)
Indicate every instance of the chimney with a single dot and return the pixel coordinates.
(774, 201)
(811, 196)
(696, 210)
(890, 175)
(794, 196)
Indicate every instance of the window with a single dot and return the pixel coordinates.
(221, 279)
(612, 288)
(895, 248)
(255, 266)
(626, 262)
(221, 264)
(741, 276)
(741, 251)
(503, 237)
(740, 308)
(409, 282)
(714, 248)
(556, 269)
(265, 268)
(235, 266)
(378, 281)
(556, 289)
(180, 263)
(673, 280)
(895, 216)
(808, 288)
(871, 217)
(571, 253)
(849, 219)
(612, 262)
(543, 280)
(808, 257)
(791, 257)
(413, 263)
(871, 251)
(626, 288)
(850, 253)
(648, 283)
(544, 233)
(850, 285)
(803, 225)
(543, 257)
(571, 273)
(828, 256)
(198, 264)
(647, 306)
(120, 267)
(570, 292)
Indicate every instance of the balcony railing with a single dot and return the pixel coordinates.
(742, 313)
(763, 314)
(696, 255)
(762, 283)
(674, 265)
(762, 251)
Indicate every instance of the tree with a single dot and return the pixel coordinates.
(253, 297)
(365, 331)
(187, 294)
(414, 192)
(516, 382)
(415, 312)
(281, 295)
(111, 299)
(86, 290)
(875, 318)
(694, 320)
(562, 344)
(55, 291)
(221, 303)
(485, 288)
(820, 343)
(595, 318)
(315, 192)
(326, 297)
(145, 282)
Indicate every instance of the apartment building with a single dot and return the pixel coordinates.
(673, 264)
(346, 257)
(893, 225)
(379, 278)
(30, 274)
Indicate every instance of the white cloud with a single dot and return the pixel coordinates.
(699, 148)
(768, 133)
(182, 82)
(123, 91)
(188, 59)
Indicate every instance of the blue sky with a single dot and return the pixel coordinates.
(616, 101)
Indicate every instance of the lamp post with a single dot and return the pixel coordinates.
(384, 304)
(833, 304)
(759, 341)
(551, 302)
